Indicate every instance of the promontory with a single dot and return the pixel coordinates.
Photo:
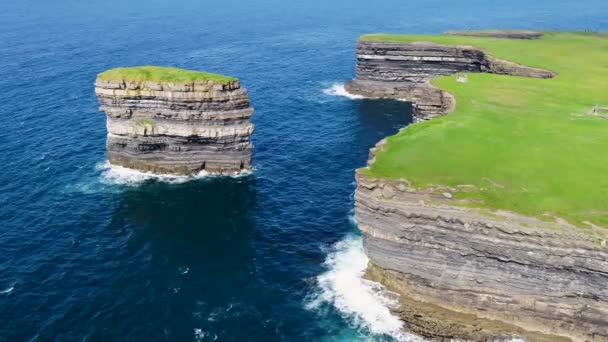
(175, 121)
(491, 221)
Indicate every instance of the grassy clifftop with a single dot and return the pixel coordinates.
(527, 145)
(162, 74)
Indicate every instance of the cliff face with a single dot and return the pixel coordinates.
(547, 277)
(466, 273)
(404, 71)
(177, 128)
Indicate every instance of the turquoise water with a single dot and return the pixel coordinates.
(93, 253)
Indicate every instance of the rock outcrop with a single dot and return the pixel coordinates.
(177, 127)
(404, 71)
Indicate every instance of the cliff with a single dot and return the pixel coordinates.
(175, 121)
(446, 222)
(541, 276)
(404, 71)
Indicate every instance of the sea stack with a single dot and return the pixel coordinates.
(174, 121)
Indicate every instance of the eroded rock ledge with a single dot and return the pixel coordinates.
(177, 128)
(404, 71)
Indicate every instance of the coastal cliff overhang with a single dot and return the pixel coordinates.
(525, 145)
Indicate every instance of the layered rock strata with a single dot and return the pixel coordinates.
(404, 71)
(177, 128)
(466, 273)
(514, 276)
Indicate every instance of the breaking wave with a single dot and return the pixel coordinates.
(8, 290)
(337, 89)
(118, 175)
(364, 303)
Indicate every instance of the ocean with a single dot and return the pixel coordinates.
(89, 252)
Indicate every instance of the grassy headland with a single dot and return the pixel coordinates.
(527, 145)
(162, 74)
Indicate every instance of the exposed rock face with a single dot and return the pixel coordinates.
(541, 276)
(177, 128)
(437, 323)
(404, 71)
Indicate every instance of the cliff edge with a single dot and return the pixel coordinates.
(175, 121)
(484, 220)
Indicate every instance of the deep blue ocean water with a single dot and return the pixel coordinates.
(91, 253)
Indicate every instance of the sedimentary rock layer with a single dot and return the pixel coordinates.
(177, 128)
(548, 277)
(404, 71)
(437, 323)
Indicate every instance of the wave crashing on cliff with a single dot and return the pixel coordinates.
(365, 303)
(337, 89)
(118, 175)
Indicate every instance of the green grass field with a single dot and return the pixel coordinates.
(162, 74)
(529, 145)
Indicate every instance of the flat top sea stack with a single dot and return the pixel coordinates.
(498, 209)
(175, 121)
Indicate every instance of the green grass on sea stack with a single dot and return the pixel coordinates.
(528, 145)
(162, 74)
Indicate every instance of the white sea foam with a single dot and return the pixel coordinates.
(7, 290)
(198, 334)
(365, 303)
(337, 89)
(351, 216)
(201, 335)
(118, 175)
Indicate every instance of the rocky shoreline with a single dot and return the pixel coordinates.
(465, 273)
(177, 128)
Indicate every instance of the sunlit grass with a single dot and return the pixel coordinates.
(534, 138)
(162, 74)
